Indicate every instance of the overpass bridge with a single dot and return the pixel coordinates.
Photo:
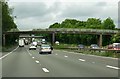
(54, 31)
(67, 30)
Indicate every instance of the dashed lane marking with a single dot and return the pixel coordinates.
(81, 59)
(45, 70)
(113, 67)
(90, 55)
(37, 61)
(66, 56)
(33, 57)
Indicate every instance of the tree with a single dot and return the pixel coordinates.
(93, 23)
(8, 23)
(108, 24)
(116, 38)
(55, 25)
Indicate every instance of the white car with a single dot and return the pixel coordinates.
(44, 48)
(35, 43)
(32, 47)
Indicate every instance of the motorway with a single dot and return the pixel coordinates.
(23, 62)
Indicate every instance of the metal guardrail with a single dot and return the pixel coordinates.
(90, 49)
(84, 30)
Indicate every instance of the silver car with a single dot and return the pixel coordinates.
(32, 46)
(94, 46)
(45, 48)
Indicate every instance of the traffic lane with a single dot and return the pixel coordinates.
(61, 66)
(20, 64)
(90, 58)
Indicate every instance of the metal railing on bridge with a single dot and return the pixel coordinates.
(69, 30)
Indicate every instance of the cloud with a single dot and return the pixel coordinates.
(30, 9)
(41, 14)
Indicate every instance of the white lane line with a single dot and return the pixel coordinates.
(66, 56)
(56, 54)
(37, 61)
(45, 70)
(30, 54)
(90, 55)
(81, 59)
(33, 57)
(93, 62)
(112, 67)
(8, 53)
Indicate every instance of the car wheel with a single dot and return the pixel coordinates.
(40, 52)
(49, 52)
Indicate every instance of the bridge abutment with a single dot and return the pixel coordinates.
(4, 39)
(53, 38)
(100, 40)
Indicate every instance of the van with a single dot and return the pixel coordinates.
(21, 43)
(116, 46)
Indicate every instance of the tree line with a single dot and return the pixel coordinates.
(8, 23)
(91, 23)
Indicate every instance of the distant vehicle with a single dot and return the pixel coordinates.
(21, 43)
(94, 46)
(43, 40)
(38, 43)
(26, 42)
(110, 46)
(32, 46)
(35, 43)
(45, 48)
(81, 46)
(57, 43)
(116, 46)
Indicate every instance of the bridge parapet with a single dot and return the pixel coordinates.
(67, 30)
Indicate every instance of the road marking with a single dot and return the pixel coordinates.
(112, 67)
(90, 55)
(56, 54)
(65, 56)
(81, 60)
(9, 53)
(93, 62)
(30, 54)
(37, 61)
(33, 57)
(45, 70)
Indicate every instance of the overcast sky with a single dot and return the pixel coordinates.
(33, 14)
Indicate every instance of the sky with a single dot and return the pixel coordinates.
(40, 14)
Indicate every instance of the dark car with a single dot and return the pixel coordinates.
(81, 46)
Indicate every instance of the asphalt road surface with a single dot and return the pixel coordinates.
(22, 62)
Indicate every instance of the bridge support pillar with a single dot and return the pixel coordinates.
(4, 40)
(100, 40)
(53, 38)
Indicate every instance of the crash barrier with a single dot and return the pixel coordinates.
(91, 49)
